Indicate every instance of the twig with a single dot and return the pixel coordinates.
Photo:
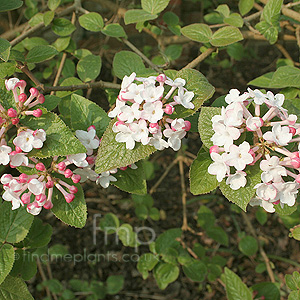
(286, 54)
(298, 35)
(49, 271)
(138, 52)
(261, 249)
(26, 71)
(183, 196)
(44, 278)
(200, 58)
(187, 248)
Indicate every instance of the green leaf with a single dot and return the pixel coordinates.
(223, 9)
(51, 102)
(114, 284)
(127, 62)
(112, 154)
(57, 134)
(167, 240)
(127, 236)
(206, 217)
(41, 53)
(14, 288)
(141, 212)
(242, 196)
(138, 15)
(197, 83)
(235, 20)
(248, 245)
(170, 18)
(30, 43)
(4, 49)
(62, 43)
(53, 4)
(218, 234)
(272, 10)
(67, 82)
(262, 81)
(268, 31)
(146, 263)
(286, 76)
(48, 17)
(10, 5)
(154, 6)
(226, 36)
(74, 213)
(261, 216)
(201, 182)
(196, 270)
(286, 210)
(295, 232)
(14, 224)
(197, 32)
(85, 113)
(7, 257)
(110, 223)
(235, 288)
(36, 19)
(269, 290)
(114, 30)
(205, 124)
(91, 21)
(173, 52)
(291, 282)
(245, 6)
(62, 27)
(132, 181)
(164, 274)
(88, 68)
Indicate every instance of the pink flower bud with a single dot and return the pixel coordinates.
(91, 127)
(68, 173)
(41, 198)
(119, 123)
(252, 153)
(18, 149)
(169, 109)
(37, 113)
(69, 197)
(295, 162)
(34, 92)
(13, 153)
(214, 148)
(22, 84)
(61, 166)
(41, 98)
(23, 178)
(90, 160)
(73, 189)
(276, 202)
(15, 121)
(292, 130)
(25, 198)
(161, 78)
(294, 154)
(12, 113)
(123, 168)
(187, 126)
(40, 167)
(76, 178)
(22, 97)
(49, 184)
(48, 205)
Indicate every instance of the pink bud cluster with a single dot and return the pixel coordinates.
(144, 112)
(271, 132)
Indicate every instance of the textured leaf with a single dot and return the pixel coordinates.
(4, 49)
(114, 30)
(218, 234)
(53, 4)
(205, 124)
(146, 263)
(245, 6)
(195, 270)
(14, 224)
(226, 36)
(41, 53)
(91, 21)
(60, 140)
(195, 82)
(269, 290)
(112, 154)
(243, 195)
(248, 245)
(286, 76)
(262, 81)
(295, 232)
(268, 31)
(114, 284)
(51, 102)
(67, 82)
(201, 182)
(167, 240)
(235, 20)
(138, 15)
(271, 10)
(7, 98)
(10, 5)
(7, 257)
(164, 274)
(62, 27)
(88, 68)
(154, 6)
(74, 213)
(197, 32)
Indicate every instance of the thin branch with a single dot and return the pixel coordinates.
(43, 275)
(184, 226)
(200, 58)
(26, 71)
(285, 53)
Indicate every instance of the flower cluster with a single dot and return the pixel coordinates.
(272, 131)
(145, 116)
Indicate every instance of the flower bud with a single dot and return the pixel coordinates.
(18, 149)
(22, 97)
(73, 189)
(23, 178)
(61, 166)
(214, 148)
(12, 113)
(41, 198)
(68, 173)
(123, 168)
(76, 178)
(187, 125)
(91, 127)
(161, 78)
(295, 162)
(37, 113)
(69, 197)
(41, 98)
(49, 184)
(25, 198)
(15, 121)
(40, 167)
(169, 109)
(292, 130)
(34, 92)
(48, 205)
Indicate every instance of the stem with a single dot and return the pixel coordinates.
(198, 59)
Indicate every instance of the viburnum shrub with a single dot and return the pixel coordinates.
(89, 90)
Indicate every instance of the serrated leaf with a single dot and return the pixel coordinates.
(88, 68)
(7, 257)
(167, 240)
(154, 6)
(41, 53)
(60, 141)
(114, 30)
(67, 82)
(10, 5)
(14, 288)
(197, 32)
(164, 274)
(286, 210)
(62, 27)
(195, 270)
(243, 195)
(91, 21)
(268, 31)
(245, 6)
(14, 224)
(235, 288)
(138, 15)
(226, 36)
(271, 10)
(197, 83)
(112, 154)
(74, 213)
(286, 76)
(205, 124)
(4, 49)
(201, 182)
(127, 62)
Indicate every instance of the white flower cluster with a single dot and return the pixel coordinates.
(271, 132)
(142, 109)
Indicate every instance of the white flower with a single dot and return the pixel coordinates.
(288, 192)
(140, 131)
(158, 142)
(253, 123)
(234, 96)
(152, 111)
(276, 100)
(11, 83)
(87, 138)
(152, 93)
(178, 124)
(237, 180)
(268, 206)
(174, 138)
(258, 97)
(127, 81)
(4, 154)
(33, 208)
(233, 114)
(185, 98)
(36, 187)
(86, 173)
(79, 160)
(272, 171)
(239, 156)
(40, 134)
(125, 136)
(6, 178)
(218, 167)
(26, 141)
(279, 135)
(105, 178)
(13, 197)
(117, 109)
(129, 113)
(134, 93)
(267, 192)
(224, 135)
(178, 82)
(19, 159)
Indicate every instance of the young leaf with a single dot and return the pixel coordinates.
(218, 234)
(74, 213)
(245, 6)
(112, 154)
(272, 10)
(14, 224)
(201, 181)
(60, 140)
(41, 53)
(114, 30)
(146, 263)
(114, 284)
(197, 32)
(154, 6)
(269, 290)
(226, 36)
(51, 102)
(62, 27)
(164, 274)
(138, 15)
(286, 76)
(53, 4)
(262, 81)
(268, 31)
(88, 68)
(235, 288)
(10, 5)
(248, 245)
(85, 113)
(4, 49)
(7, 257)
(195, 270)
(48, 17)
(91, 21)
(235, 20)
(167, 240)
